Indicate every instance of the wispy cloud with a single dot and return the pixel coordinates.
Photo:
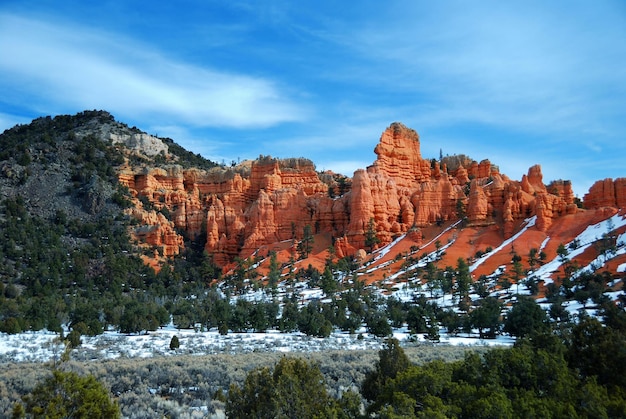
(517, 82)
(63, 64)
(523, 67)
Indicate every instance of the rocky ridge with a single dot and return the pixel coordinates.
(70, 164)
(256, 205)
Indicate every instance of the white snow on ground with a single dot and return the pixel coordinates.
(43, 346)
(621, 267)
(459, 340)
(386, 249)
(437, 237)
(529, 223)
(595, 231)
(544, 243)
(545, 271)
(422, 262)
(383, 251)
(585, 239)
(621, 239)
(599, 262)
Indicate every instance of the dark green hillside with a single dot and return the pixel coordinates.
(65, 254)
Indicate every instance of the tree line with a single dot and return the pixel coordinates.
(94, 282)
(572, 372)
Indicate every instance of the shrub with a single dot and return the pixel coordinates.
(174, 343)
(67, 394)
(294, 389)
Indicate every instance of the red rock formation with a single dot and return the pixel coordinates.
(606, 193)
(436, 201)
(399, 156)
(267, 201)
(535, 179)
(157, 231)
(620, 192)
(461, 175)
(478, 205)
(484, 169)
(343, 247)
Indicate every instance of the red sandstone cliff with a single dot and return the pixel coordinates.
(606, 193)
(256, 204)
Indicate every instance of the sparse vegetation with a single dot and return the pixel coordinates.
(175, 386)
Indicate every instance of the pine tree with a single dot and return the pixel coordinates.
(526, 318)
(67, 394)
(305, 247)
(463, 278)
(371, 239)
(294, 389)
(274, 274)
(329, 283)
(487, 317)
(392, 361)
(174, 343)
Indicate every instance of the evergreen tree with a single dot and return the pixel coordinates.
(487, 317)
(294, 389)
(463, 278)
(305, 247)
(174, 343)
(69, 395)
(312, 322)
(531, 379)
(433, 279)
(371, 239)
(392, 361)
(533, 257)
(329, 283)
(288, 321)
(377, 323)
(517, 271)
(526, 318)
(273, 276)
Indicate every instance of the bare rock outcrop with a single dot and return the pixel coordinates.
(270, 200)
(606, 193)
(399, 156)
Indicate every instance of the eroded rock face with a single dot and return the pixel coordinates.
(267, 201)
(158, 232)
(606, 193)
(141, 143)
(270, 201)
(399, 157)
(478, 205)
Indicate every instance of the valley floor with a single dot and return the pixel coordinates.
(147, 384)
(44, 346)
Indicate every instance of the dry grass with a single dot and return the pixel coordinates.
(185, 386)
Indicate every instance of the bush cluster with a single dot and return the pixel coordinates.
(186, 385)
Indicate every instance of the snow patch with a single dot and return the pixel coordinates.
(529, 223)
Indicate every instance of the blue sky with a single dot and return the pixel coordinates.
(519, 83)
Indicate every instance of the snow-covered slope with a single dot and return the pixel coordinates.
(399, 281)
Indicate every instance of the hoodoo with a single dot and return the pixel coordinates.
(257, 204)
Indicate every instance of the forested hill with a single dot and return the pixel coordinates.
(65, 253)
(103, 227)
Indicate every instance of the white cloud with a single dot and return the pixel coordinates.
(553, 68)
(66, 64)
